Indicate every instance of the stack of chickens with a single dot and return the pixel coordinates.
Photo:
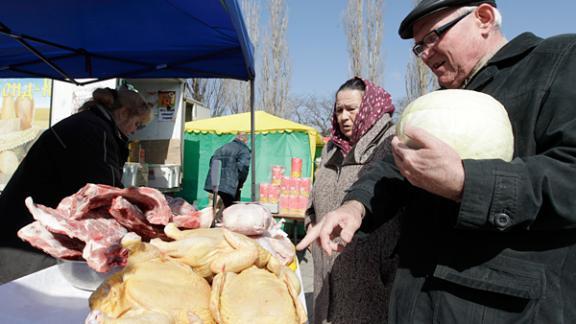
(202, 276)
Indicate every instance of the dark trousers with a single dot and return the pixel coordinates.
(228, 199)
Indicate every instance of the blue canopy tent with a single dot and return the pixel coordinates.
(102, 39)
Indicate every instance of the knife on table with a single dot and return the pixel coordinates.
(215, 169)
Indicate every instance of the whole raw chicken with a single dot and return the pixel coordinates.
(247, 218)
(163, 282)
(256, 221)
(152, 288)
(213, 250)
(257, 296)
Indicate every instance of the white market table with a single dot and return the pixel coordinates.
(45, 297)
(42, 297)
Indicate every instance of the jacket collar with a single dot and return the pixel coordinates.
(98, 109)
(107, 115)
(241, 143)
(368, 143)
(518, 46)
(512, 51)
(333, 156)
(362, 150)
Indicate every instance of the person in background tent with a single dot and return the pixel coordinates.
(235, 164)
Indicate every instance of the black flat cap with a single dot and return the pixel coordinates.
(426, 7)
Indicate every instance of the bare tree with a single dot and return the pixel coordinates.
(364, 29)
(215, 98)
(251, 13)
(353, 20)
(237, 93)
(224, 96)
(419, 78)
(210, 92)
(275, 71)
(374, 31)
(263, 81)
(314, 111)
(197, 88)
(419, 81)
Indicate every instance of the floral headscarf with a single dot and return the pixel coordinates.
(375, 103)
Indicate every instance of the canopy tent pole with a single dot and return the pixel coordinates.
(252, 141)
(20, 39)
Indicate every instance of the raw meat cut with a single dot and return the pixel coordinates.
(151, 201)
(39, 237)
(102, 236)
(93, 221)
(132, 218)
(186, 216)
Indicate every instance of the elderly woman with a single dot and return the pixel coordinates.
(90, 146)
(353, 286)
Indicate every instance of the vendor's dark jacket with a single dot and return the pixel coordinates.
(507, 252)
(235, 157)
(86, 147)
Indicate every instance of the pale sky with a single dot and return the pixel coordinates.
(318, 51)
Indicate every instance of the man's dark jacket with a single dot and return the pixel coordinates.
(507, 252)
(86, 147)
(235, 157)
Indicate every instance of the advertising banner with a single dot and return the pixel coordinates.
(24, 114)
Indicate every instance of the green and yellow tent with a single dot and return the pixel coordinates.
(278, 140)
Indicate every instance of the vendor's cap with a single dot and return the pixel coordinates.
(426, 7)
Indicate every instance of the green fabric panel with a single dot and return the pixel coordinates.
(271, 149)
(279, 149)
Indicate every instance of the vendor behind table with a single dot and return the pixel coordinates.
(90, 146)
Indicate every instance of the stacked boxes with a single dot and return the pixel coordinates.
(289, 194)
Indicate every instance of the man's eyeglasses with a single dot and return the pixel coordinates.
(432, 37)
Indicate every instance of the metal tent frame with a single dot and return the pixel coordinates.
(69, 40)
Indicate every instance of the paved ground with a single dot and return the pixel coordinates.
(306, 265)
(307, 272)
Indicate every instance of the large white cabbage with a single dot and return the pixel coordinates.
(474, 124)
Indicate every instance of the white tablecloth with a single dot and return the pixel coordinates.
(42, 297)
(46, 297)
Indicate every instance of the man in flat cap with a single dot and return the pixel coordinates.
(483, 241)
